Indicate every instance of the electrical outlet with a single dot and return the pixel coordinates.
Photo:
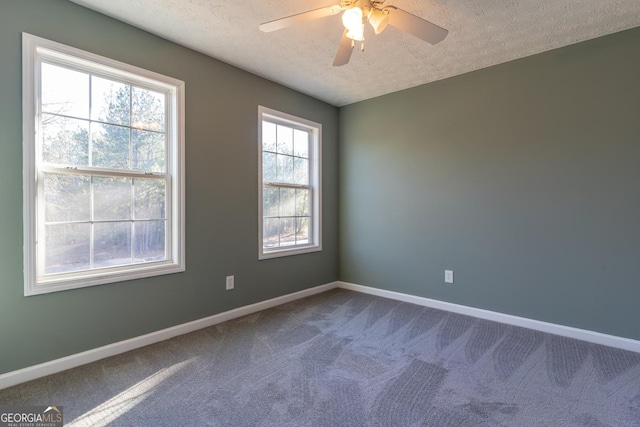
(448, 276)
(230, 282)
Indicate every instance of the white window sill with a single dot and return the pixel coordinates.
(282, 252)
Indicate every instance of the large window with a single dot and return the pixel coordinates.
(103, 175)
(290, 193)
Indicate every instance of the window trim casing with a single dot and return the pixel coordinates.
(33, 50)
(315, 179)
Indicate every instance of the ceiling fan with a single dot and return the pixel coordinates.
(356, 12)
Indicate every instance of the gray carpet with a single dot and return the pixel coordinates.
(348, 359)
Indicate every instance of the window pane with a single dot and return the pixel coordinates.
(112, 244)
(109, 146)
(149, 241)
(271, 233)
(268, 167)
(111, 198)
(302, 231)
(287, 231)
(287, 202)
(148, 151)
(65, 141)
(268, 136)
(301, 143)
(67, 197)
(110, 101)
(149, 198)
(65, 91)
(285, 140)
(270, 201)
(66, 247)
(301, 170)
(285, 169)
(147, 109)
(302, 202)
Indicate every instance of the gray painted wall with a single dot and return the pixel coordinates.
(221, 190)
(522, 178)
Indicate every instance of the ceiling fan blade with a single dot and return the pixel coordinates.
(281, 23)
(415, 25)
(344, 50)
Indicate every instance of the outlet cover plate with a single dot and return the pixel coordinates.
(448, 276)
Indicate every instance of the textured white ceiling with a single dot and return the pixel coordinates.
(481, 33)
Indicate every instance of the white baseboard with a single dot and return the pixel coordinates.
(552, 328)
(58, 365)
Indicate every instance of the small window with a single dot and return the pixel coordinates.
(103, 154)
(290, 192)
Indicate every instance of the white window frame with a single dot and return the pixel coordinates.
(34, 51)
(315, 183)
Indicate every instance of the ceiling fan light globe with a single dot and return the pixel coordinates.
(378, 20)
(352, 19)
(357, 35)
